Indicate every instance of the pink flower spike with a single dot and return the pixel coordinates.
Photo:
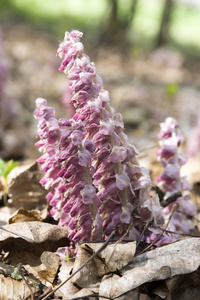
(171, 181)
(97, 184)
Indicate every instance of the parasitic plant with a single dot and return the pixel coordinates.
(171, 181)
(95, 180)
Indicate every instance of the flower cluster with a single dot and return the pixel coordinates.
(67, 165)
(97, 184)
(171, 181)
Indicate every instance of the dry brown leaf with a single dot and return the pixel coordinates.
(182, 257)
(180, 287)
(116, 256)
(29, 260)
(23, 215)
(5, 213)
(11, 289)
(35, 237)
(46, 270)
(144, 297)
(82, 293)
(162, 291)
(26, 241)
(107, 283)
(24, 188)
(50, 262)
(113, 258)
(68, 289)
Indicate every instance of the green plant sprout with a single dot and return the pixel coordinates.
(5, 169)
(67, 255)
(171, 90)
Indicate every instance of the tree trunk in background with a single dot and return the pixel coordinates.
(132, 11)
(116, 26)
(163, 33)
(113, 20)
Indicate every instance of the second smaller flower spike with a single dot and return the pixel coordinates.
(171, 181)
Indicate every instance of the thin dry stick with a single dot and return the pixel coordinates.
(81, 267)
(121, 239)
(19, 267)
(194, 218)
(171, 199)
(26, 282)
(148, 148)
(92, 296)
(143, 231)
(173, 232)
(163, 229)
(195, 193)
(46, 293)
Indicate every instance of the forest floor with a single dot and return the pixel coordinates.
(145, 87)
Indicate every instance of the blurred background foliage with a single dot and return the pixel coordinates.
(146, 23)
(146, 51)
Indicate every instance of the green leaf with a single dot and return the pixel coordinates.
(67, 255)
(15, 274)
(2, 166)
(11, 164)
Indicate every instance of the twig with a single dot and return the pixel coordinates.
(163, 229)
(46, 293)
(195, 186)
(81, 267)
(92, 296)
(121, 239)
(19, 267)
(189, 216)
(148, 148)
(194, 218)
(143, 231)
(178, 233)
(169, 200)
(100, 242)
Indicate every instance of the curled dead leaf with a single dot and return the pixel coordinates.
(68, 290)
(182, 257)
(50, 263)
(24, 188)
(14, 289)
(111, 259)
(23, 215)
(35, 237)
